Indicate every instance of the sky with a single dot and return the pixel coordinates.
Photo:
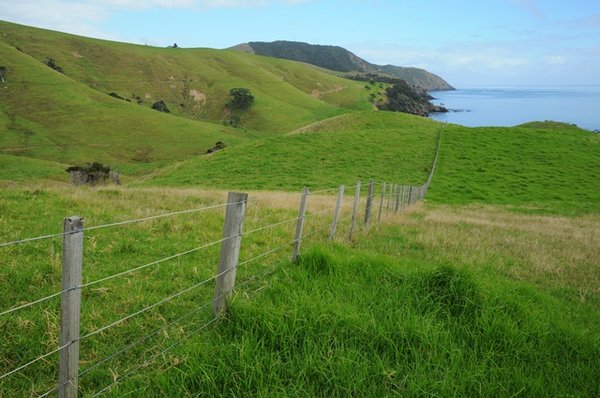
(467, 42)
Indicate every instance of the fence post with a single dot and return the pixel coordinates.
(381, 202)
(336, 214)
(369, 206)
(70, 306)
(387, 207)
(401, 198)
(397, 194)
(230, 250)
(355, 209)
(300, 225)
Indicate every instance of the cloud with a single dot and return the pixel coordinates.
(84, 17)
(531, 6)
(68, 16)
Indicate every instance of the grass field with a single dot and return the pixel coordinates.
(541, 167)
(488, 288)
(69, 117)
(366, 145)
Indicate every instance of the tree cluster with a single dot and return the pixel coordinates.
(241, 98)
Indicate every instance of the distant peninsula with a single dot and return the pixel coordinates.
(339, 59)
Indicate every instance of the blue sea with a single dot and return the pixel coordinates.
(509, 106)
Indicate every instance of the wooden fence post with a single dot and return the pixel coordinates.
(300, 225)
(397, 198)
(230, 250)
(355, 209)
(369, 206)
(403, 198)
(70, 306)
(381, 202)
(410, 195)
(336, 213)
(391, 189)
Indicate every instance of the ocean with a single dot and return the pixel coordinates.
(509, 106)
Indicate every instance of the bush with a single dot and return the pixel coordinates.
(241, 98)
(90, 174)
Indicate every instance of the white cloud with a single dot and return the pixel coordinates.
(69, 16)
(84, 17)
(555, 60)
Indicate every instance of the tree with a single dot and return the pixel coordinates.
(241, 98)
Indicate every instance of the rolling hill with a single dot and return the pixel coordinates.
(64, 113)
(339, 59)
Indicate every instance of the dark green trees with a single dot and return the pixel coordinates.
(241, 98)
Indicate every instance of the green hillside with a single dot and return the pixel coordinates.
(69, 117)
(489, 288)
(537, 166)
(368, 145)
(339, 59)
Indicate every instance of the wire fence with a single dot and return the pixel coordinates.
(152, 323)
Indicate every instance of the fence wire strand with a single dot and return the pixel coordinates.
(95, 227)
(20, 307)
(270, 226)
(187, 336)
(127, 348)
(153, 357)
(148, 308)
(46, 355)
(157, 262)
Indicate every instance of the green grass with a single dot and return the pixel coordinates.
(364, 145)
(71, 118)
(350, 323)
(21, 168)
(541, 167)
(32, 271)
(461, 297)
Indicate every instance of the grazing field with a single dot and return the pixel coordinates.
(382, 146)
(168, 256)
(419, 306)
(538, 167)
(487, 288)
(70, 117)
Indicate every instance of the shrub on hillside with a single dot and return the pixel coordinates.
(241, 98)
(90, 174)
(160, 106)
(50, 62)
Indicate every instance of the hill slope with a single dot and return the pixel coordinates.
(538, 166)
(339, 59)
(361, 145)
(69, 117)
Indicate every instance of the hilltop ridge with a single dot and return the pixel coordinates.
(341, 60)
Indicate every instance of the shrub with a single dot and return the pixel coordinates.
(241, 98)
(90, 174)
